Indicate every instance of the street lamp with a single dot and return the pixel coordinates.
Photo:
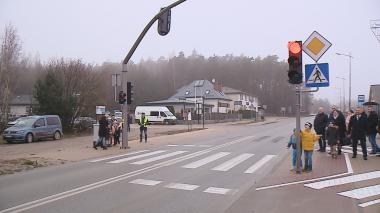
(349, 79)
(344, 92)
(340, 97)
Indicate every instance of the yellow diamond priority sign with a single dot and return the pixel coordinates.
(316, 45)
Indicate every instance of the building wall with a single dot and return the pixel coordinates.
(252, 102)
(18, 110)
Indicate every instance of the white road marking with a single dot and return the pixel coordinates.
(344, 180)
(307, 181)
(348, 164)
(95, 185)
(137, 157)
(181, 186)
(146, 182)
(206, 160)
(215, 190)
(259, 164)
(205, 145)
(160, 157)
(188, 145)
(172, 145)
(233, 162)
(362, 192)
(117, 156)
(370, 203)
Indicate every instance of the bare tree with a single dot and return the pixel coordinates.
(9, 61)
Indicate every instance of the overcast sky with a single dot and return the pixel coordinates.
(99, 31)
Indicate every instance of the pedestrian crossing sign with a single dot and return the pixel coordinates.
(317, 75)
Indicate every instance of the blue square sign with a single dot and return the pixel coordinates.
(317, 75)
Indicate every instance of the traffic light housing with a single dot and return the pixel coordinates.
(129, 92)
(122, 96)
(164, 23)
(295, 62)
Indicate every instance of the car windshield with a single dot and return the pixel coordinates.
(168, 113)
(28, 122)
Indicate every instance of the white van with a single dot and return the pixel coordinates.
(159, 114)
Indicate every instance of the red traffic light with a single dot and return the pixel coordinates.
(294, 47)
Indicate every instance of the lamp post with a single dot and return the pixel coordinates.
(344, 92)
(349, 79)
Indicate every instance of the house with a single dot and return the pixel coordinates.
(21, 105)
(240, 100)
(195, 96)
(374, 97)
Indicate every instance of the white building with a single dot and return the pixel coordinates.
(240, 100)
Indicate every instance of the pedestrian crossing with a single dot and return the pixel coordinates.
(219, 161)
(366, 192)
(348, 149)
(184, 187)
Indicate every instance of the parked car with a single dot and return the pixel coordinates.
(84, 122)
(34, 128)
(160, 114)
(14, 121)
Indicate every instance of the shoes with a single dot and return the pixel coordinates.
(104, 148)
(365, 158)
(354, 156)
(339, 152)
(323, 150)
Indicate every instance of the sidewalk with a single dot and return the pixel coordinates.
(284, 191)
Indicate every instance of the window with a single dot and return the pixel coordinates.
(52, 121)
(162, 114)
(187, 92)
(241, 96)
(40, 122)
(154, 113)
(207, 92)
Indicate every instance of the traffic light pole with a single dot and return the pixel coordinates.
(125, 63)
(298, 125)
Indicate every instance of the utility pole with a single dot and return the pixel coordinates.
(349, 78)
(128, 57)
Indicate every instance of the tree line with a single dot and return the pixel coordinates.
(71, 88)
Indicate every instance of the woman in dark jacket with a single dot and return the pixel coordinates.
(338, 119)
(332, 135)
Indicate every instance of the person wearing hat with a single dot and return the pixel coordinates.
(308, 138)
(143, 122)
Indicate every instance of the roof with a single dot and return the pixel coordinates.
(229, 90)
(173, 102)
(23, 100)
(374, 93)
(197, 89)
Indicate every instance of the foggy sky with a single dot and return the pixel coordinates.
(99, 31)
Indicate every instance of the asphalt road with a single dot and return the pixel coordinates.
(205, 171)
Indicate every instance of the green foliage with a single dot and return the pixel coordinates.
(50, 95)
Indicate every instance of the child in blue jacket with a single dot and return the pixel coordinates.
(293, 143)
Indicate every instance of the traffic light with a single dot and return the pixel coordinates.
(164, 23)
(295, 62)
(129, 92)
(122, 97)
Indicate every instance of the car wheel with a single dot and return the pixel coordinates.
(57, 135)
(166, 122)
(29, 138)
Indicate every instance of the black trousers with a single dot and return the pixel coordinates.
(145, 130)
(322, 143)
(363, 144)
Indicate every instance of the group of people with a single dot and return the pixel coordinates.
(338, 130)
(110, 130)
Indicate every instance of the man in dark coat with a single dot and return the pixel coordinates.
(357, 128)
(102, 133)
(320, 122)
(338, 119)
(372, 125)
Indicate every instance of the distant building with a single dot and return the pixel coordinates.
(192, 96)
(21, 105)
(240, 100)
(374, 97)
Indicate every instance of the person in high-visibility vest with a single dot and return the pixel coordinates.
(143, 122)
